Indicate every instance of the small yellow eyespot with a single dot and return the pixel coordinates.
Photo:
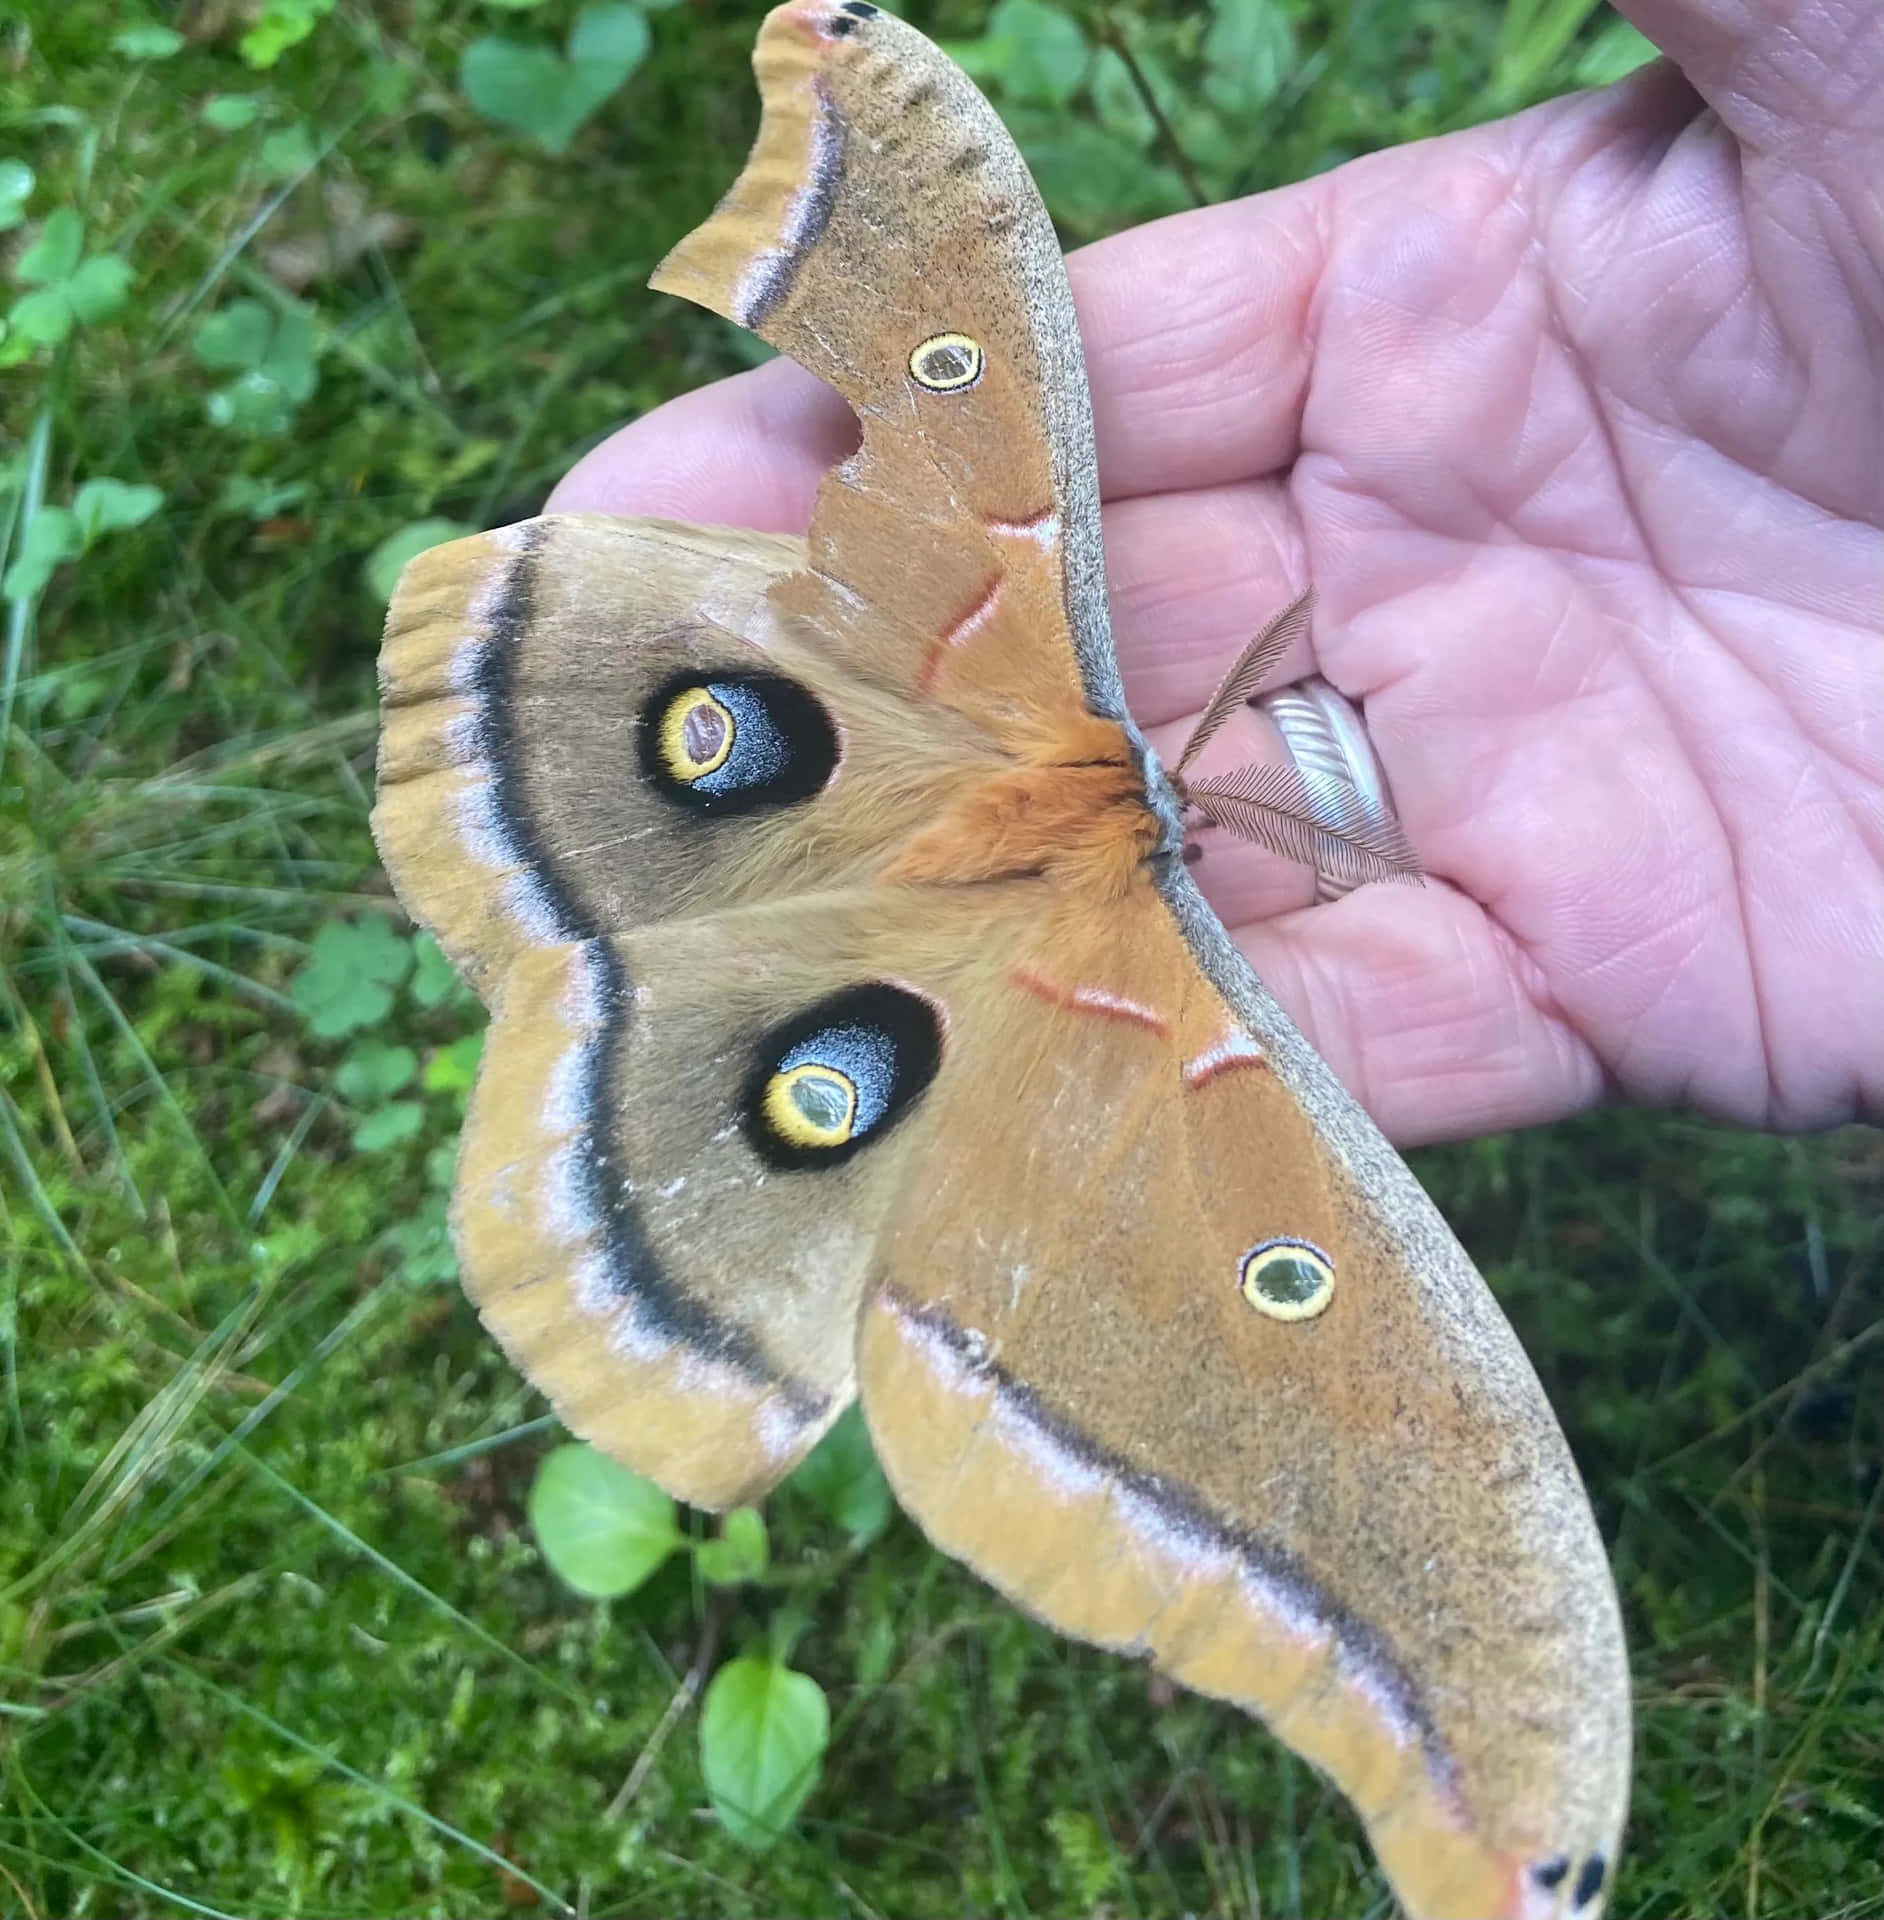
(696, 734)
(946, 363)
(811, 1106)
(1287, 1279)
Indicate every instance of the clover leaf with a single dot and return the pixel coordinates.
(423, 1244)
(551, 96)
(388, 560)
(452, 1069)
(282, 24)
(742, 1552)
(373, 1072)
(350, 976)
(70, 287)
(388, 1126)
(271, 351)
(58, 534)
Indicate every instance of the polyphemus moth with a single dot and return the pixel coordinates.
(859, 1032)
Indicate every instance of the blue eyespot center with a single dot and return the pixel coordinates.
(734, 742)
(839, 1074)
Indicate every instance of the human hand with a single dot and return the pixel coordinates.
(1576, 423)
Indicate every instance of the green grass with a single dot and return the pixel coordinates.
(274, 1634)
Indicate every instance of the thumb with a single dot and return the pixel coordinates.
(1788, 78)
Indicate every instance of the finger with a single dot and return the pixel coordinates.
(1785, 76)
(1197, 386)
(1192, 577)
(1423, 1008)
(747, 451)
(1198, 339)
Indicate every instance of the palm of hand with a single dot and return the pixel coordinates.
(1573, 421)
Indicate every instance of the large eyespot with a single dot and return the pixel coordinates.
(947, 362)
(730, 742)
(840, 1074)
(1287, 1279)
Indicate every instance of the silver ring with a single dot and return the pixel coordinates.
(1324, 733)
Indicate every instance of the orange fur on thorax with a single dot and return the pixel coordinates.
(1072, 806)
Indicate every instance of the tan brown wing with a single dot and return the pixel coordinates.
(1150, 1351)
(517, 807)
(680, 1275)
(886, 234)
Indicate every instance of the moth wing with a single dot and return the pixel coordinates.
(515, 811)
(886, 234)
(684, 1286)
(1355, 1517)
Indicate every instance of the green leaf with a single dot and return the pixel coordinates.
(259, 498)
(1616, 52)
(763, 1732)
(39, 319)
(147, 43)
(286, 152)
(97, 290)
(388, 1126)
(551, 96)
(54, 256)
(1116, 101)
(423, 1243)
(611, 37)
(604, 1530)
(273, 347)
(1050, 55)
(1250, 51)
(16, 188)
(434, 978)
(231, 112)
(453, 1069)
(349, 977)
(105, 506)
(51, 536)
(985, 60)
(238, 336)
(388, 560)
(374, 1071)
(1091, 181)
(841, 1478)
(283, 24)
(741, 1552)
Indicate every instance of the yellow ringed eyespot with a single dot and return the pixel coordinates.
(811, 1105)
(1287, 1279)
(947, 362)
(696, 734)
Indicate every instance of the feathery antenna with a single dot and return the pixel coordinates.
(1313, 816)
